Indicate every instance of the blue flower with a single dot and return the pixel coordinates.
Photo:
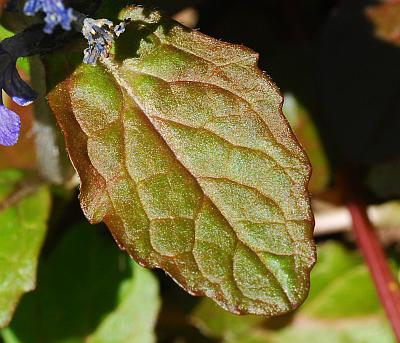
(10, 125)
(100, 35)
(18, 90)
(56, 13)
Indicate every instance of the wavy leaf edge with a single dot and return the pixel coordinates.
(96, 206)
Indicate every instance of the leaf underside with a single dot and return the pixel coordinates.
(183, 152)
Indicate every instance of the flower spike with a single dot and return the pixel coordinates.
(100, 35)
(56, 13)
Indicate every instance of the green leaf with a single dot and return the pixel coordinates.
(307, 134)
(134, 319)
(183, 151)
(333, 260)
(88, 291)
(215, 322)
(341, 289)
(363, 331)
(342, 307)
(24, 210)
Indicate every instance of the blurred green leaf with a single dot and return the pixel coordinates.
(307, 134)
(134, 319)
(362, 331)
(88, 291)
(24, 210)
(333, 260)
(343, 287)
(342, 307)
(183, 151)
(216, 322)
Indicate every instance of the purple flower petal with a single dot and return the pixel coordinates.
(32, 7)
(100, 35)
(16, 88)
(10, 125)
(22, 101)
(56, 13)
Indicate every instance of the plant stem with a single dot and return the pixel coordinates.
(21, 190)
(386, 285)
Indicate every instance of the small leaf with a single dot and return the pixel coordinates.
(24, 210)
(134, 319)
(183, 151)
(89, 291)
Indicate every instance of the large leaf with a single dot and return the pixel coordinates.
(342, 307)
(24, 210)
(88, 291)
(183, 151)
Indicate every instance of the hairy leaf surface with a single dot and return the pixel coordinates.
(183, 151)
(24, 210)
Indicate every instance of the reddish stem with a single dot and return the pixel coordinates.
(387, 286)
